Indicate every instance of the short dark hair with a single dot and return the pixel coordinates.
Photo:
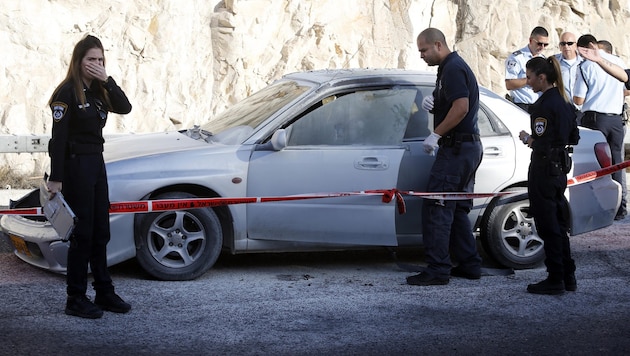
(433, 35)
(586, 40)
(539, 31)
(606, 46)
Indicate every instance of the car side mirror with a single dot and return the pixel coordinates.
(277, 142)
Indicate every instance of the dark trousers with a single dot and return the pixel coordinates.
(550, 210)
(446, 228)
(86, 191)
(612, 128)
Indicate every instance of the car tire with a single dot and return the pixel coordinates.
(180, 244)
(510, 237)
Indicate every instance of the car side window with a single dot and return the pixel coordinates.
(421, 121)
(367, 117)
(489, 125)
(483, 122)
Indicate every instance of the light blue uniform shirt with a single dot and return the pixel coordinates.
(515, 69)
(569, 75)
(601, 92)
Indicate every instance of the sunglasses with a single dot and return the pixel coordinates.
(542, 44)
(567, 43)
(101, 111)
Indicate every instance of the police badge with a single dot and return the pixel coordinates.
(540, 125)
(58, 110)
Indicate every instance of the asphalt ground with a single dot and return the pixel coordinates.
(341, 303)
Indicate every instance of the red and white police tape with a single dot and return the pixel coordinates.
(592, 175)
(147, 206)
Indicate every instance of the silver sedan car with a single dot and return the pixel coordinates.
(318, 132)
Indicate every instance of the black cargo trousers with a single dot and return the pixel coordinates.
(86, 191)
(550, 209)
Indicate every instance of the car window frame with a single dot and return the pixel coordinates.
(498, 127)
(341, 92)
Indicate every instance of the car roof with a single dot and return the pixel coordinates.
(336, 77)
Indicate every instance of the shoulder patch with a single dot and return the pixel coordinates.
(540, 125)
(59, 110)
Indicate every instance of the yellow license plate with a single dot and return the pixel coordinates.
(20, 245)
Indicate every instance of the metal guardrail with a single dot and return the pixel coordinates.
(24, 143)
(32, 143)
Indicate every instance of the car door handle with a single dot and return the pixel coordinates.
(372, 163)
(492, 151)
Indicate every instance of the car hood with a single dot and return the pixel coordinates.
(133, 146)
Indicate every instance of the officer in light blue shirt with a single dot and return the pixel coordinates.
(596, 90)
(602, 98)
(515, 78)
(569, 60)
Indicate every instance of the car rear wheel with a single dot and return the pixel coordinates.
(181, 244)
(510, 236)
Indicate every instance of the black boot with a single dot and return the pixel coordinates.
(111, 302)
(570, 284)
(82, 306)
(548, 286)
(470, 273)
(425, 279)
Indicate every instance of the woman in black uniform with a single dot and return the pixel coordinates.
(79, 108)
(553, 128)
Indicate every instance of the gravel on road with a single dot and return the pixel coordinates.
(347, 303)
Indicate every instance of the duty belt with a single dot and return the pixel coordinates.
(84, 148)
(601, 113)
(451, 139)
(554, 153)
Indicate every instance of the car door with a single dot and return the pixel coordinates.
(349, 142)
(497, 166)
(499, 154)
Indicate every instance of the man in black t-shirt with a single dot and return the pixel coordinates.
(446, 229)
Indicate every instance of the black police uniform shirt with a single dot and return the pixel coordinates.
(78, 123)
(551, 121)
(456, 80)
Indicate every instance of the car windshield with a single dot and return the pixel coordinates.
(236, 122)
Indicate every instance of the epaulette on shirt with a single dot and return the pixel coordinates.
(516, 53)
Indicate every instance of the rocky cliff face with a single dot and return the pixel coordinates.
(181, 61)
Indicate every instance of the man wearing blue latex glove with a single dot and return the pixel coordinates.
(446, 229)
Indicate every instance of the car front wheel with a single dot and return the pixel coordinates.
(510, 236)
(179, 244)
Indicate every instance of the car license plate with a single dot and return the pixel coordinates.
(20, 245)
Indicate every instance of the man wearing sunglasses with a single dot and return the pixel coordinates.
(515, 79)
(569, 60)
